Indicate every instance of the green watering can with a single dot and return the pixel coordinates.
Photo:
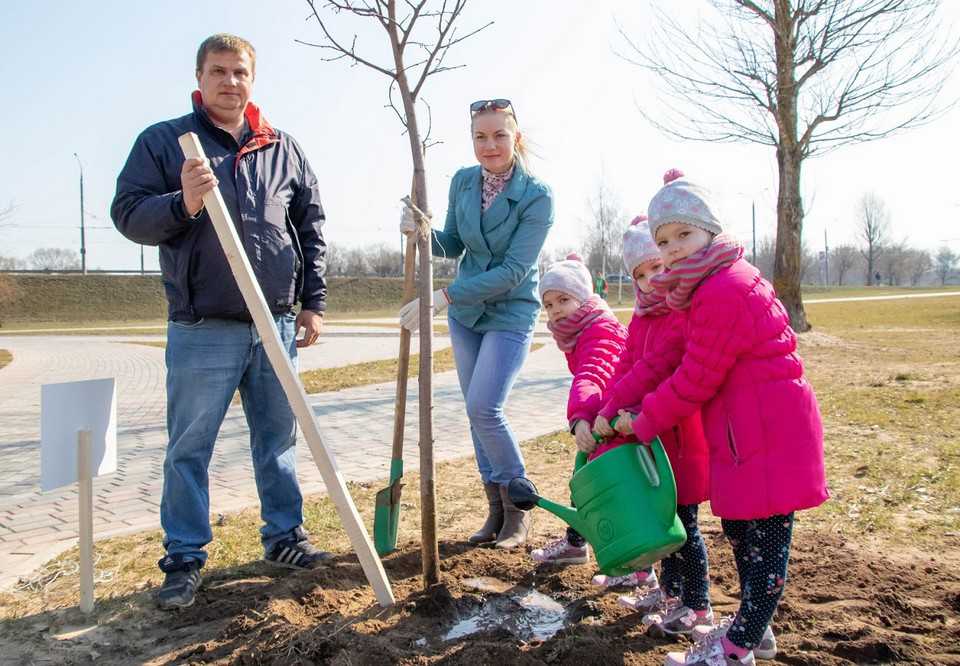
(626, 506)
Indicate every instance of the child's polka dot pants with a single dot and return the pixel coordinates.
(761, 549)
(685, 573)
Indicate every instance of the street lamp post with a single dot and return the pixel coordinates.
(83, 233)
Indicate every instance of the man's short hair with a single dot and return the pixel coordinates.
(225, 42)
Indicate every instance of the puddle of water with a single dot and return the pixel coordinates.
(525, 613)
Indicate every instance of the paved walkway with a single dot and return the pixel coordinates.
(36, 526)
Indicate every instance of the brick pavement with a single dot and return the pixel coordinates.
(36, 526)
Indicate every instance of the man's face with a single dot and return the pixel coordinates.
(226, 83)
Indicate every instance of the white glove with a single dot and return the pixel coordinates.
(410, 313)
(408, 220)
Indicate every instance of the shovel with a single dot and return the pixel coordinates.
(386, 516)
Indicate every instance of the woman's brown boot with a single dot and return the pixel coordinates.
(516, 523)
(494, 521)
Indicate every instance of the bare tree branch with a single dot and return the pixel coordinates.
(802, 76)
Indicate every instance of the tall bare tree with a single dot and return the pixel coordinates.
(801, 76)
(874, 226)
(603, 235)
(420, 35)
(843, 258)
(917, 263)
(946, 263)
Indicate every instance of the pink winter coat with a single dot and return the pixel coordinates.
(592, 363)
(655, 346)
(759, 414)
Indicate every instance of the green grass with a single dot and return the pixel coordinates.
(5, 358)
(887, 377)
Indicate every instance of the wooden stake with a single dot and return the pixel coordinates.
(263, 319)
(428, 494)
(85, 493)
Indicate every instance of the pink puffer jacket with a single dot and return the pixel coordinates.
(759, 414)
(654, 348)
(592, 363)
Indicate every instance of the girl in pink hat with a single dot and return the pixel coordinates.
(760, 416)
(586, 330)
(654, 350)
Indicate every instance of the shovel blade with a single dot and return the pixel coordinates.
(386, 518)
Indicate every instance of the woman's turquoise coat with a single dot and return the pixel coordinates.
(496, 284)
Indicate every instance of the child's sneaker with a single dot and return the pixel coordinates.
(641, 580)
(561, 552)
(708, 653)
(767, 648)
(648, 600)
(677, 621)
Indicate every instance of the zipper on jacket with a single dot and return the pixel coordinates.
(732, 443)
(676, 438)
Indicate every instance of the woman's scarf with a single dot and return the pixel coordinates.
(567, 330)
(493, 184)
(678, 283)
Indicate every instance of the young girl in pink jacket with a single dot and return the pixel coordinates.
(654, 348)
(586, 330)
(760, 416)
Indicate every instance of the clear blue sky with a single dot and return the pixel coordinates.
(88, 77)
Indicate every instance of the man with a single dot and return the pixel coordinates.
(212, 347)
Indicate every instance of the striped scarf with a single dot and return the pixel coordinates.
(679, 282)
(650, 305)
(567, 330)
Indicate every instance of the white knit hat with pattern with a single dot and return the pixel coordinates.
(638, 244)
(679, 200)
(569, 276)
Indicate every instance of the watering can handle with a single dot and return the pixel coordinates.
(581, 458)
(648, 464)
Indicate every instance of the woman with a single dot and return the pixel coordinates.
(497, 219)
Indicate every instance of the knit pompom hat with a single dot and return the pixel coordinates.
(638, 244)
(679, 200)
(569, 276)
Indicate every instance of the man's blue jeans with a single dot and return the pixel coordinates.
(487, 365)
(206, 363)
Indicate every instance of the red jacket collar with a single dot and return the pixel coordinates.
(263, 133)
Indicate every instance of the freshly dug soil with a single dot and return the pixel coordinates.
(842, 605)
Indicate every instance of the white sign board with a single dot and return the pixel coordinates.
(66, 409)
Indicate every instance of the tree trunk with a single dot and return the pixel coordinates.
(787, 268)
(429, 548)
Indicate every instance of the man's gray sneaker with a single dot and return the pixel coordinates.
(180, 584)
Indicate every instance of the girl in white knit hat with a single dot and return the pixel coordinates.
(654, 349)
(592, 338)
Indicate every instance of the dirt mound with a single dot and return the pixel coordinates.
(843, 605)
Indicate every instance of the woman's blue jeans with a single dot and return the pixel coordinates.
(206, 363)
(487, 365)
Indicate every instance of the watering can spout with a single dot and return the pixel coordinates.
(567, 514)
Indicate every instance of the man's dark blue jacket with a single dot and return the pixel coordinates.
(271, 193)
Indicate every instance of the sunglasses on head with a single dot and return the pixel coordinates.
(492, 105)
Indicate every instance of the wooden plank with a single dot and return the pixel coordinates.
(85, 493)
(290, 380)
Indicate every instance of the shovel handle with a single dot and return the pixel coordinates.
(403, 363)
